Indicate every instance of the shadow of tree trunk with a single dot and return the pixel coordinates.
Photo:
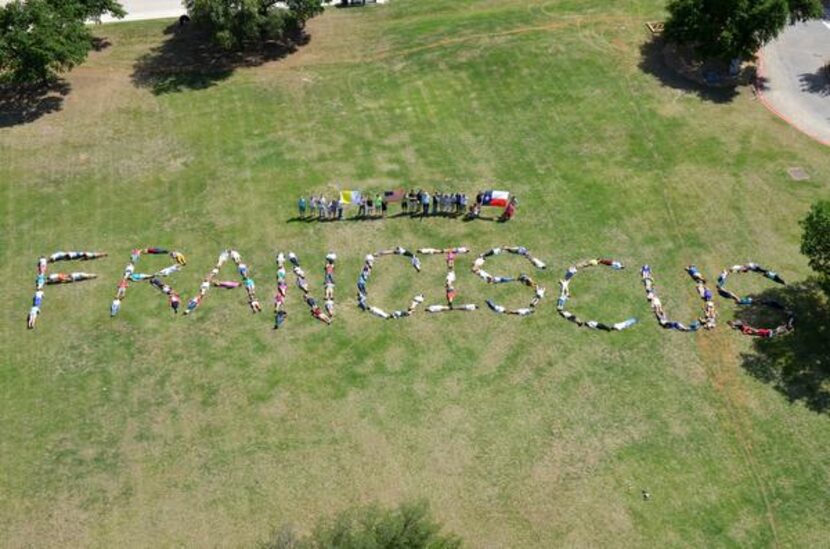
(798, 364)
(188, 60)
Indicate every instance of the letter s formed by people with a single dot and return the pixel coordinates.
(538, 290)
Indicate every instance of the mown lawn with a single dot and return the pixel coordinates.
(148, 429)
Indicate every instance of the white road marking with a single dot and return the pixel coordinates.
(826, 23)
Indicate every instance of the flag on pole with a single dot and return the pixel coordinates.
(394, 196)
(349, 197)
(495, 198)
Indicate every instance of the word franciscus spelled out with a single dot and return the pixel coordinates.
(326, 313)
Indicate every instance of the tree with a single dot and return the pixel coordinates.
(39, 38)
(234, 24)
(733, 29)
(802, 10)
(815, 242)
(240, 24)
(93, 9)
(303, 10)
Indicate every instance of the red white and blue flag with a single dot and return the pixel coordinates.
(495, 198)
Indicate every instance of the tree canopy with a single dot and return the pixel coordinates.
(39, 38)
(93, 9)
(733, 29)
(239, 24)
(815, 242)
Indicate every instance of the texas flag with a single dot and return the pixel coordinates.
(495, 198)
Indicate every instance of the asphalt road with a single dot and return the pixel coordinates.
(795, 87)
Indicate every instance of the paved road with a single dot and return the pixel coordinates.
(796, 88)
(144, 9)
(150, 9)
(138, 10)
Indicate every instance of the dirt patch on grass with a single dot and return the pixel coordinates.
(723, 374)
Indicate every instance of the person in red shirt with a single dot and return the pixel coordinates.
(746, 329)
(509, 210)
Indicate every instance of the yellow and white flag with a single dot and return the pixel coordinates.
(349, 197)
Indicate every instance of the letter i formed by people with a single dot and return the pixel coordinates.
(44, 278)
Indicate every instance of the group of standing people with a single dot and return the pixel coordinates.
(319, 207)
(421, 202)
(415, 203)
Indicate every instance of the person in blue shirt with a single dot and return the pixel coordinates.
(301, 207)
(695, 274)
(279, 319)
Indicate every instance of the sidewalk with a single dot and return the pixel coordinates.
(140, 10)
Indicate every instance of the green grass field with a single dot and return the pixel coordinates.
(151, 430)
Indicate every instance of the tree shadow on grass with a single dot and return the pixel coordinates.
(24, 103)
(797, 364)
(653, 62)
(188, 60)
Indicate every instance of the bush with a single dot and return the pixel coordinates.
(244, 24)
(409, 526)
(815, 242)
